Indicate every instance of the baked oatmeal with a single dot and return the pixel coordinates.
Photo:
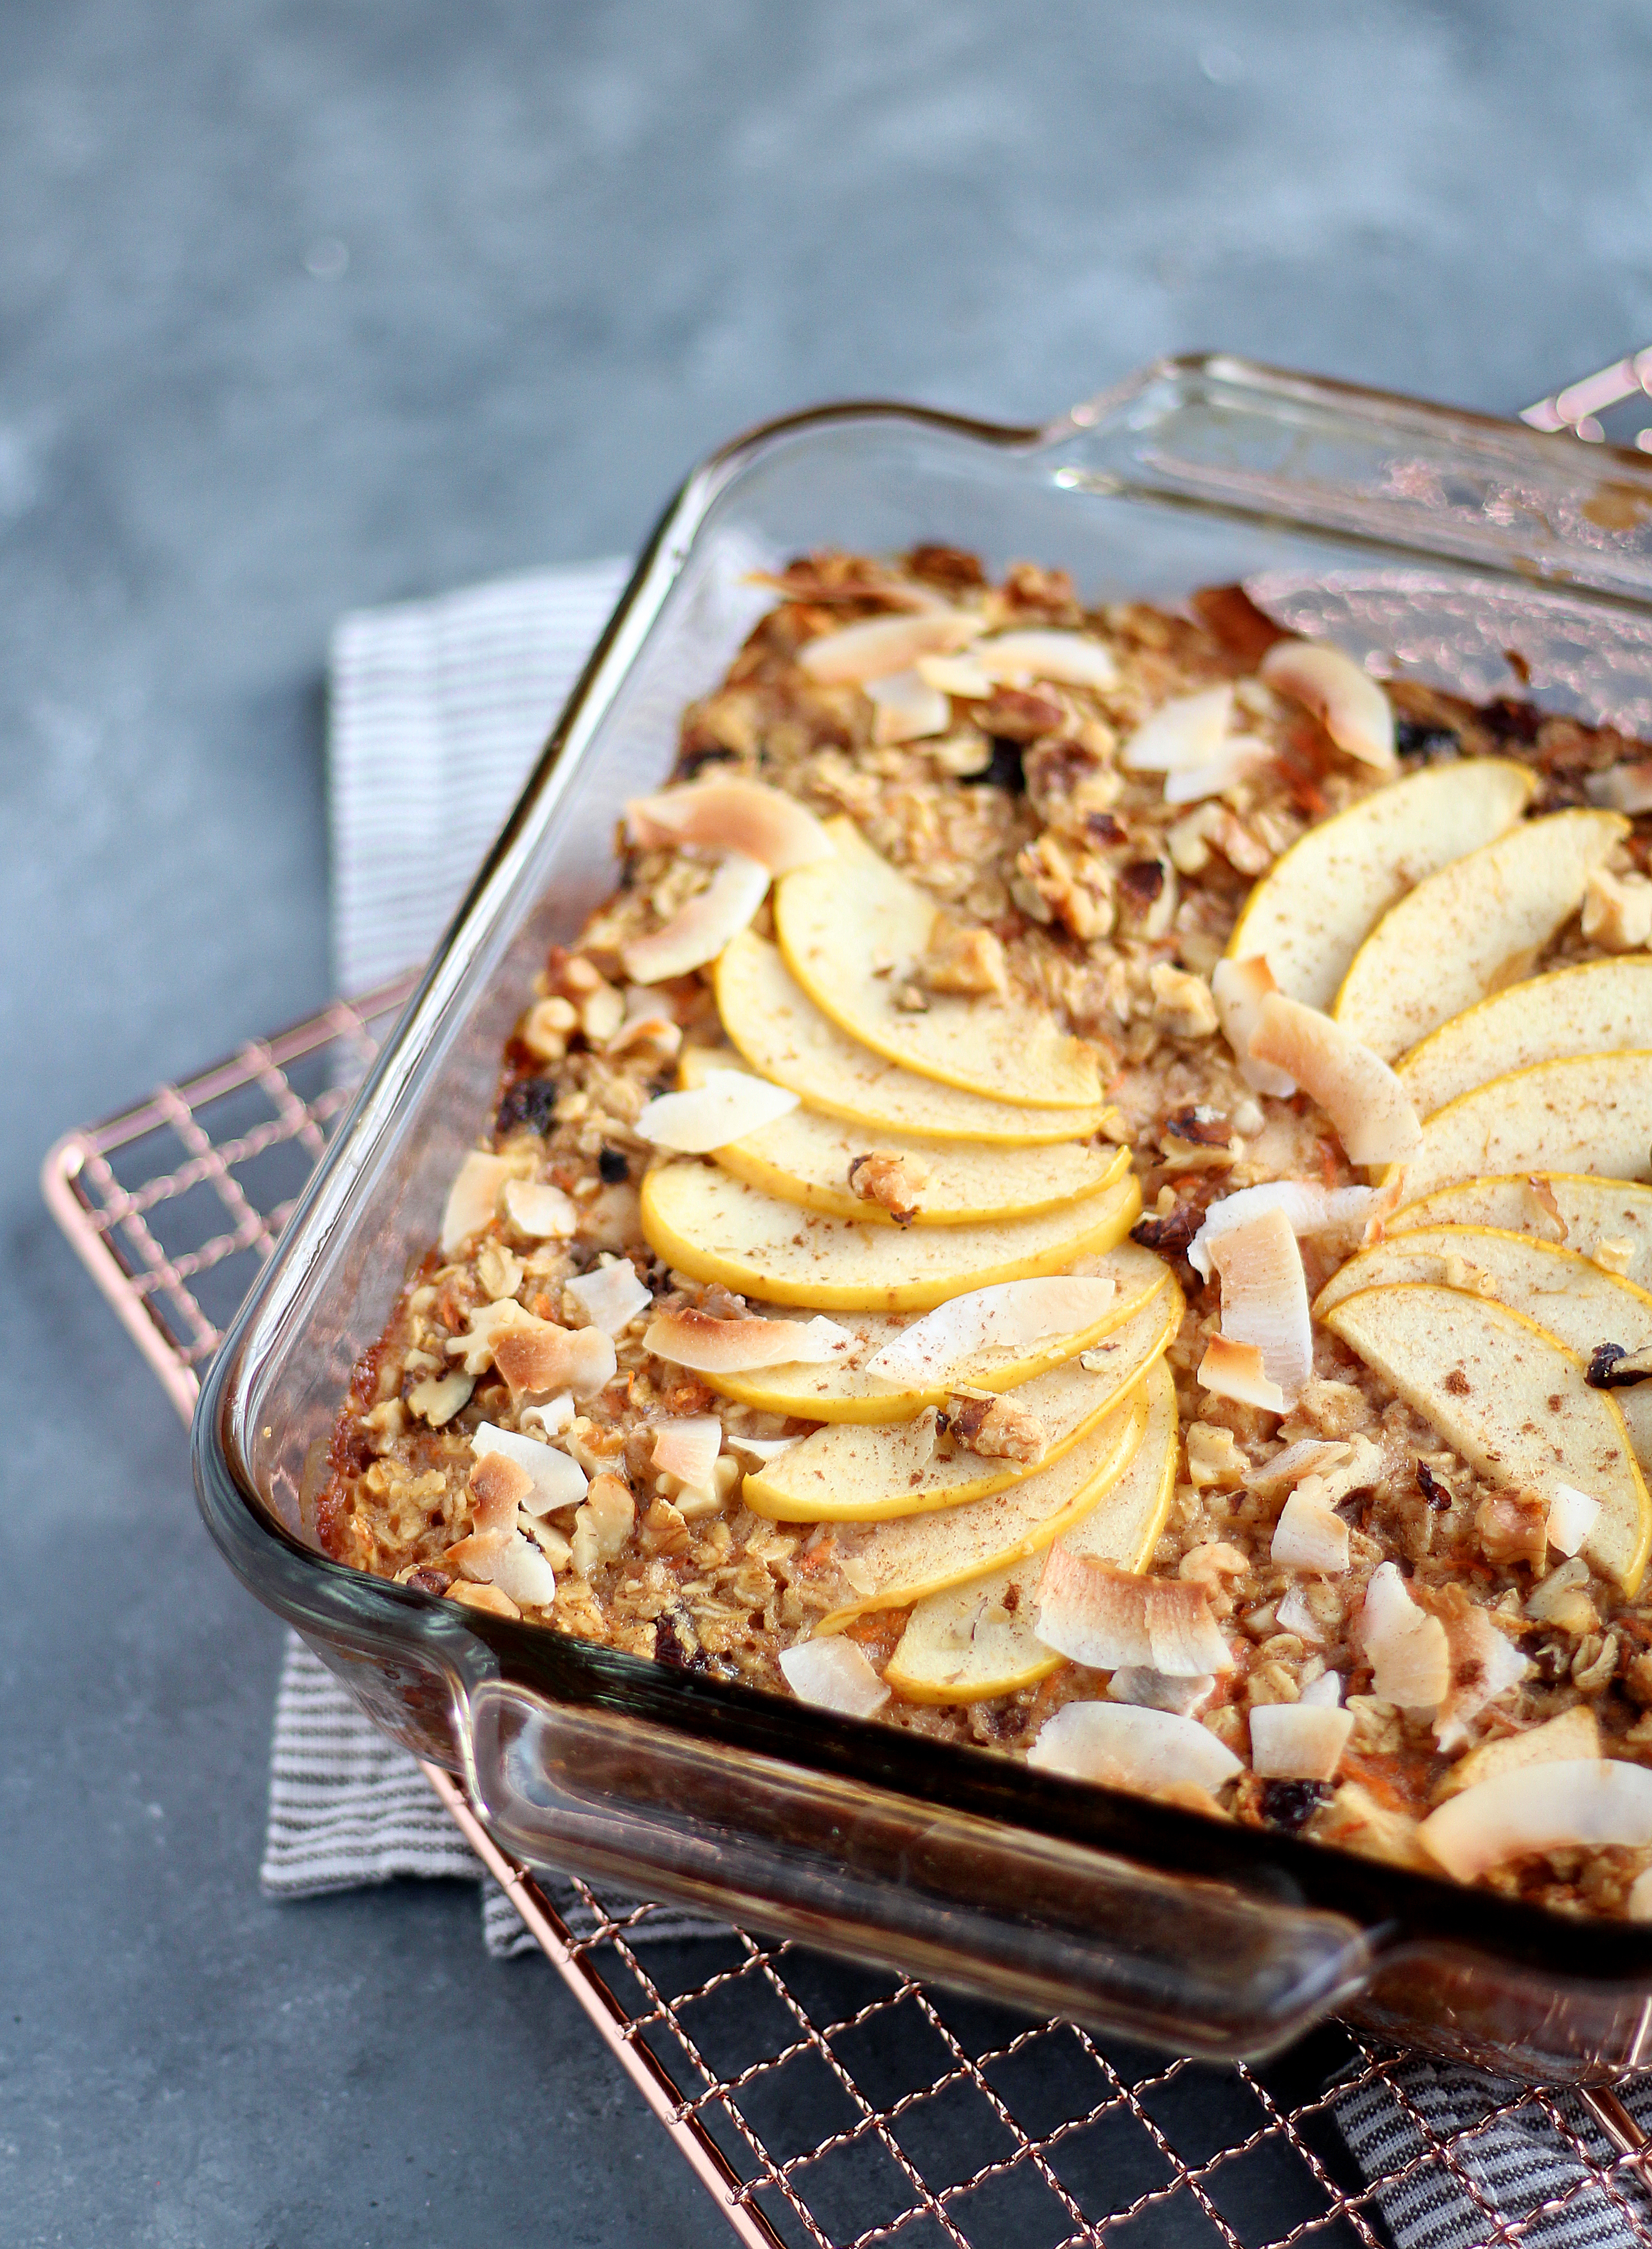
(1086, 1194)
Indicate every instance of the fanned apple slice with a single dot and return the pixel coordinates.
(854, 930)
(977, 1638)
(891, 1565)
(1564, 1207)
(715, 1227)
(1511, 1399)
(852, 1472)
(785, 1036)
(1468, 930)
(845, 1392)
(804, 1158)
(1317, 904)
(1569, 1297)
(1592, 1007)
(1585, 1113)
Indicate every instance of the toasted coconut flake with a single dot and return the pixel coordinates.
(1407, 1651)
(539, 1211)
(1323, 1693)
(1343, 696)
(724, 1106)
(1183, 734)
(833, 1675)
(879, 646)
(1264, 1296)
(556, 1480)
(1239, 756)
(603, 1525)
(492, 1600)
(1012, 1315)
(1069, 659)
(498, 1486)
(1484, 1664)
(1309, 1534)
(1308, 1456)
(1238, 988)
(533, 1354)
(472, 1196)
(694, 1338)
(1364, 1101)
(1157, 1690)
(686, 1447)
(760, 1449)
(1235, 1370)
(523, 1571)
(1106, 1618)
(611, 1296)
(1298, 1740)
(905, 708)
(1294, 1614)
(1621, 788)
(1584, 1803)
(1310, 1210)
(745, 816)
(955, 675)
(704, 926)
(1572, 1514)
(553, 1417)
(652, 1025)
(1126, 1745)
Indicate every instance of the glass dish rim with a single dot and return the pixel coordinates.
(1394, 1907)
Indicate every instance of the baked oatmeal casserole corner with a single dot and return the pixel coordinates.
(980, 1232)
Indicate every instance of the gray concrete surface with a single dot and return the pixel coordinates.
(303, 307)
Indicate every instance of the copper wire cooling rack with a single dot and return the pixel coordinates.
(818, 2103)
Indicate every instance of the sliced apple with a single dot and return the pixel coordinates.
(1469, 930)
(853, 1473)
(1592, 1007)
(854, 929)
(891, 1565)
(1586, 1113)
(786, 1038)
(804, 1158)
(1313, 909)
(715, 1227)
(845, 1392)
(1560, 1207)
(1511, 1399)
(978, 1640)
(1569, 1297)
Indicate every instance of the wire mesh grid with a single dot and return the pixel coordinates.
(819, 2103)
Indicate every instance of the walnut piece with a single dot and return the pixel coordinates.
(996, 1429)
(1182, 1004)
(1513, 1526)
(1213, 1458)
(893, 1182)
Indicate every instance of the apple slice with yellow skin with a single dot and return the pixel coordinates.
(852, 1472)
(891, 1565)
(1318, 902)
(804, 1158)
(1585, 1113)
(1594, 1006)
(1568, 1297)
(1468, 930)
(785, 1037)
(976, 1639)
(1510, 1401)
(854, 930)
(715, 1227)
(843, 1391)
(1563, 1207)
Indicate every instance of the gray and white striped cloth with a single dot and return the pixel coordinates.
(438, 709)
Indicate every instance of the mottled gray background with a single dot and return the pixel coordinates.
(303, 307)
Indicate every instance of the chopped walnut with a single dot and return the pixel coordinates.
(1513, 1526)
(1066, 883)
(893, 1182)
(998, 1429)
(1211, 1565)
(962, 959)
(1148, 896)
(1617, 912)
(1213, 1458)
(1182, 1004)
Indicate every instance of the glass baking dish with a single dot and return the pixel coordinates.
(1437, 538)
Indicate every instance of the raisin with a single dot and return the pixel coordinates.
(1511, 721)
(1416, 737)
(676, 1644)
(1169, 1235)
(426, 1580)
(1291, 1803)
(691, 761)
(530, 1101)
(612, 1167)
(1003, 769)
(1606, 1371)
(1432, 1489)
